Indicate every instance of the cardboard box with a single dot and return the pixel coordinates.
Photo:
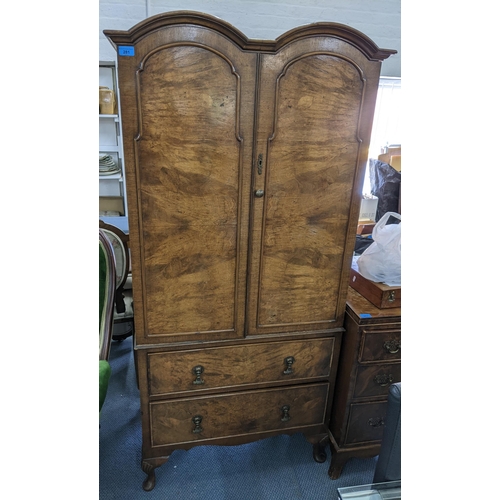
(368, 209)
(111, 204)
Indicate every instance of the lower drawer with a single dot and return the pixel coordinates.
(234, 414)
(366, 422)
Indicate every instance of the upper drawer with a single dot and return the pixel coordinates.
(381, 345)
(205, 369)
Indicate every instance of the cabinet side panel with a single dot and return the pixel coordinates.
(189, 158)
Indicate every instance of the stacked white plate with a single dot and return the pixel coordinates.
(107, 166)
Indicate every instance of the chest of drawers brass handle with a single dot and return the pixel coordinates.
(376, 422)
(392, 346)
(383, 379)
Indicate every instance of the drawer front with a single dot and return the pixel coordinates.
(384, 345)
(374, 380)
(250, 412)
(366, 422)
(204, 369)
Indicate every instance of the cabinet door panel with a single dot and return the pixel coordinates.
(311, 143)
(194, 136)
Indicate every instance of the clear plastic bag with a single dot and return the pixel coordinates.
(381, 261)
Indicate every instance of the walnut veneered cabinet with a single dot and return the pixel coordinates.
(244, 162)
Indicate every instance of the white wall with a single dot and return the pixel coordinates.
(266, 20)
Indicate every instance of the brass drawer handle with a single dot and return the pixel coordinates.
(376, 422)
(289, 361)
(286, 413)
(198, 370)
(197, 424)
(383, 380)
(259, 193)
(392, 346)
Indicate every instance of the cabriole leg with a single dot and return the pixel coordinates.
(149, 466)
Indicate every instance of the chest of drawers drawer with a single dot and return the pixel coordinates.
(196, 370)
(376, 346)
(366, 422)
(374, 380)
(235, 414)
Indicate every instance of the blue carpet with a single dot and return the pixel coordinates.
(277, 468)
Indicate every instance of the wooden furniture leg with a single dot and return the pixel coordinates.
(319, 444)
(340, 456)
(148, 466)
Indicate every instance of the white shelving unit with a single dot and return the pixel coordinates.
(112, 188)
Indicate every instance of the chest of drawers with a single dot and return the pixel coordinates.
(234, 394)
(370, 361)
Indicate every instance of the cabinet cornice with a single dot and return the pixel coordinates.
(340, 31)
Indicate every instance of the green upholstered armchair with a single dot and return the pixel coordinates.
(107, 288)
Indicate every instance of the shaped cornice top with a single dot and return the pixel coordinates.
(341, 31)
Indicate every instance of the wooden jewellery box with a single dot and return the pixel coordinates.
(379, 294)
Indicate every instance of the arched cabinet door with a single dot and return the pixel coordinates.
(188, 111)
(314, 112)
